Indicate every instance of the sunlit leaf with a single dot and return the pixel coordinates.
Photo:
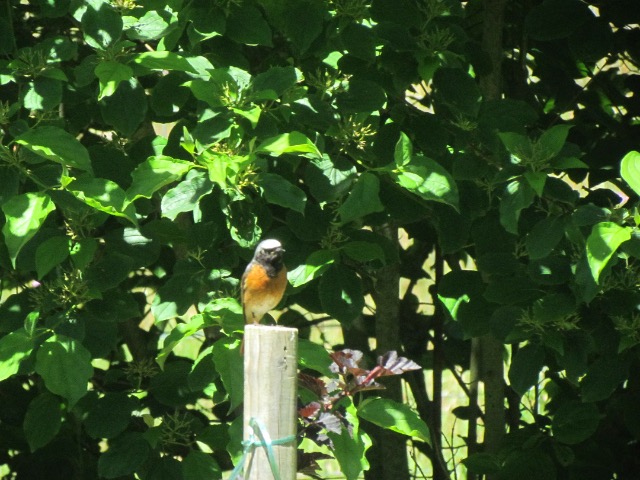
(110, 73)
(65, 367)
(294, 142)
(24, 215)
(155, 173)
(630, 170)
(395, 416)
(57, 145)
(313, 267)
(604, 240)
(14, 348)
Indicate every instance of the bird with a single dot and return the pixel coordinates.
(264, 281)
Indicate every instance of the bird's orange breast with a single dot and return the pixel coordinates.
(260, 292)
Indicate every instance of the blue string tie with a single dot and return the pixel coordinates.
(263, 440)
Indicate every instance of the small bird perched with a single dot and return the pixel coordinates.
(264, 281)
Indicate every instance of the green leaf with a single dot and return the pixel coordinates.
(525, 368)
(110, 73)
(115, 306)
(14, 348)
(359, 40)
(202, 376)
(155, 173)
(630, 170)
(506, 115)
(313, 267)
(171, 387)
(242, 223)
(65, 366)
(281, 192)
(537, 181)
(179, 333)
(82, 252)
(363, 199)
(517, 145)
(566, 163)
(303, 22)
(553, 307)
(24, 214)
(185, 196)
(482, 463)
(175, 297)
(518, 195)
(124, 456)
(363, 251)
(395, 416)
(42, 94)
(511, 289)
(604, 240)
(602, 378)
(163, 60)
(246, 25)
(361, 96)
(227, 312)
(457, 288)
(429, 180)
(457, 91)
(153, 25)
(110, 415)
(57, 145)
(403, 152)
(329, 179)
(9, 187)
(101, 25)
(270, 85)
(50, 253)
(43, 420)
(294, 142)
(593, 39)
(574, 422)
(126, 108)
(556, 19)
(544, 236)
(103, 195)
(208, 21)
(350, 446)
(109, 270)
(31, 323)
(212, 90)
(341, 293)
(314, 356)
(229, 363)
(251, 113)
(551, 142)
(200, 466)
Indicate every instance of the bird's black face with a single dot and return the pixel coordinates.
(270, 253)
(272, 256)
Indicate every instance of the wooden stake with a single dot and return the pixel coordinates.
(270, 389)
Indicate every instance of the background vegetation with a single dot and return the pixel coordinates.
(146, 147)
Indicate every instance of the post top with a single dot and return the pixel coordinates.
(268, 328)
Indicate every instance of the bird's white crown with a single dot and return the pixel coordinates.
(270, 244)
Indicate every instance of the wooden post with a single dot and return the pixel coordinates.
(270, 389)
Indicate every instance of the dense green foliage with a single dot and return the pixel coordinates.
(147, 146)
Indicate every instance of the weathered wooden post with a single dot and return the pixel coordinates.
(270, 389)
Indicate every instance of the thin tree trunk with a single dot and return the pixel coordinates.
(474, 381)
(492, 368)
(439, 469)
(388, 455)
